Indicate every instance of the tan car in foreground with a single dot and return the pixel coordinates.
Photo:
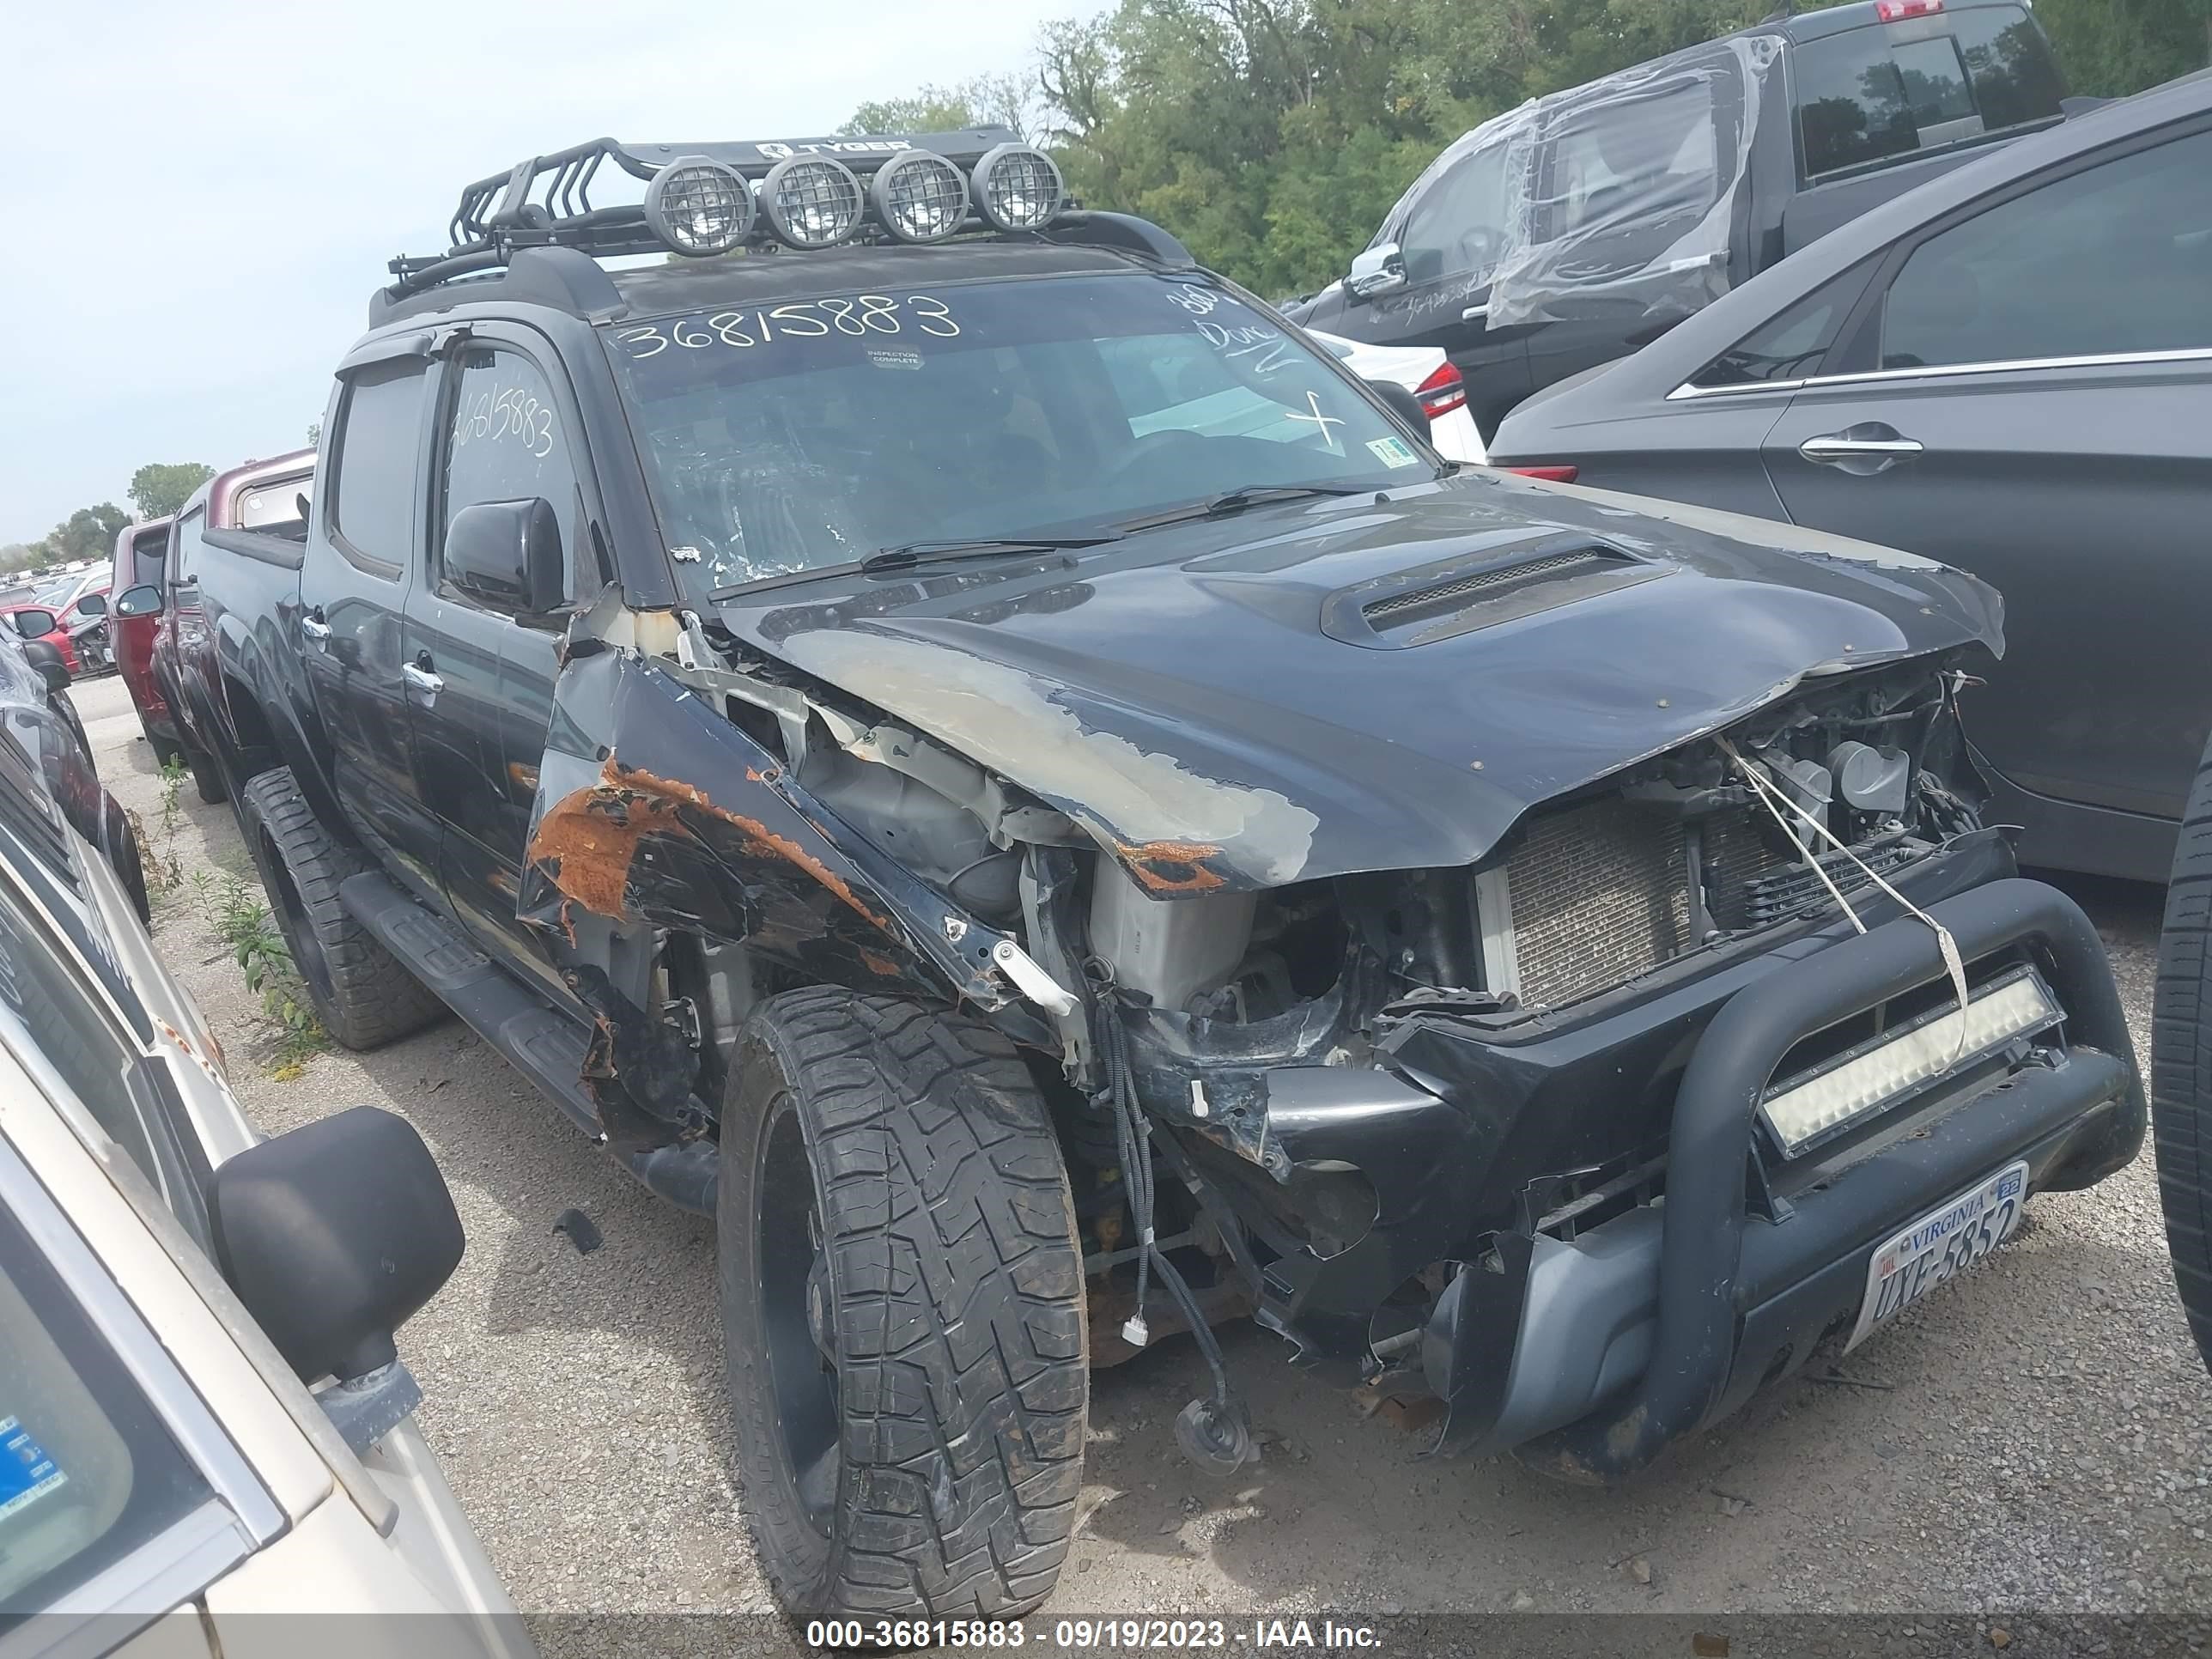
(170, 1285)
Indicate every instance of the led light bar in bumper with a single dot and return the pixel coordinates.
(1864, 1081)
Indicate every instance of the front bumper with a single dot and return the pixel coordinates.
(1592, 1349)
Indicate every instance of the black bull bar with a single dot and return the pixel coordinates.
(1707, 1276)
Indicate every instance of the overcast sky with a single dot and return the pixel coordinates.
(201, 195)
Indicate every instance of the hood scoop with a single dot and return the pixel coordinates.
(1474, 591)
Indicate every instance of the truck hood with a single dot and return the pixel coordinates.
(1285, 695)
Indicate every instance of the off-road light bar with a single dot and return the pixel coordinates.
(1018, 187)
(1871, 1076)
(812, 201)
(919, 197)
(703, 199)
(699, 207)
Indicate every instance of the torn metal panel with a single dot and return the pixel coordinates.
(653, 811)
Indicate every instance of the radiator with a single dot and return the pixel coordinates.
(1599, 893)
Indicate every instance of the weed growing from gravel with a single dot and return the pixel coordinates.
(165, 872)
(234, 908)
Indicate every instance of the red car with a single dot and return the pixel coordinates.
(140, 551)
(38, 622)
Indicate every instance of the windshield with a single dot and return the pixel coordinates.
(819, 432)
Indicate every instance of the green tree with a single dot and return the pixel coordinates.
(157, 490)
(1272, 136)
(2110, 48)
(88, 532)
(986, 100)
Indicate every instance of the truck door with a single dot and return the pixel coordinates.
(507, 431)
(354, 585)
(1450, 231)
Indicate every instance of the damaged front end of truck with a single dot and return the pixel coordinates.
(1453, 895)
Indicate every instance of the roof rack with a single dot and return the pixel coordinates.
(546, 200)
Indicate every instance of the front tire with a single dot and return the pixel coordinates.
(364, 994)
(902, 1296)
(2181, 1061)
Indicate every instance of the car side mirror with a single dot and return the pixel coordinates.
(334, 1235)
(507, 555)
(93, 604)
(144, 600)
(1375, 271)
(46, 657)
(32, 624)
(1404, 403)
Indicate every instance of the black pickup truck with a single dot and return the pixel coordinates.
(1581, 225)
(955, 743)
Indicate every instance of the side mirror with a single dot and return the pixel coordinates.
(1375, 271)
(46, 657)
(32, 624)
(334, 1235)
(1403, 403)
(144, 600)
(93, 604)
(507, 555)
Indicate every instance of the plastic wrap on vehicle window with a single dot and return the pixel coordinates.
(1621, 194)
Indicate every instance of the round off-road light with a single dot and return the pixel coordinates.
(1018, 188)
(699, 207)
(920, 196)
(810, 200)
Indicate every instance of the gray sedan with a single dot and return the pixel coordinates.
(2008, 369)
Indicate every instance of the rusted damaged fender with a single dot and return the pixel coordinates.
(655, 811)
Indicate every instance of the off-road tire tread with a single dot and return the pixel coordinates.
(2181, 1061)
(965, 1378)
(376, 1000)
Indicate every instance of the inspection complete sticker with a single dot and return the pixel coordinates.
(1393, 451)
(26, 1473)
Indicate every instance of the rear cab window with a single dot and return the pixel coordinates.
(1934, 76)
(278, 508)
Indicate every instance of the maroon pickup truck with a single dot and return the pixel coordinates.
(168, 657)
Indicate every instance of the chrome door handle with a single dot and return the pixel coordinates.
(315, 628)
(1834, 446)
(421, 681)
(1475, 313)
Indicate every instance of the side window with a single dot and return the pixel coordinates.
(184, 547)
(372, 500)
(505, 441)
(1789, 345)
(1458, 223)
(48, 1017)
(2114, 259)
(89, 1472)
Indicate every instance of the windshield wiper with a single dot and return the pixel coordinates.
(907, 555)
(1237, 499)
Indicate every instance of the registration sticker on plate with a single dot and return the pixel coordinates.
(1943, 1242)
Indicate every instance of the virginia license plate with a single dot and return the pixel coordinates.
(1942, 1245)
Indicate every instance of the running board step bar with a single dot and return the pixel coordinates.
(543, 1043)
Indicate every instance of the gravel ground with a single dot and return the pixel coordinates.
(2035, 1436)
